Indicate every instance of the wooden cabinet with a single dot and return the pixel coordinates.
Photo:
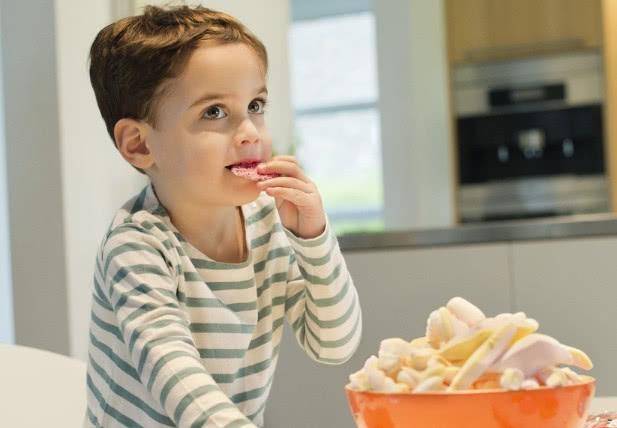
(609, 10)
(485, 30)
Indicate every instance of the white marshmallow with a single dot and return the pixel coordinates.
(512, 379)
(530, 384)
(465, 311)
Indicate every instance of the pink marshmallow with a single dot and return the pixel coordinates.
(250, 173)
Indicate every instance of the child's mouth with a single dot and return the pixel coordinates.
(248, 170)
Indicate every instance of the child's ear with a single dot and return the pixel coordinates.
(130, 137)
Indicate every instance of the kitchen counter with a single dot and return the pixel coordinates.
(578, 226)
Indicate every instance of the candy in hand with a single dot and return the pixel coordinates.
(249, 171)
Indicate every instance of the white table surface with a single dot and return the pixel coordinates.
(600, 404)
(57, 385)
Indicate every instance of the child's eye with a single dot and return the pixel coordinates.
(214, 112)
(257, 106)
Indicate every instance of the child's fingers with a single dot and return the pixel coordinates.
(295, 196)
(289, 182)
(289, 169)
(287, 158)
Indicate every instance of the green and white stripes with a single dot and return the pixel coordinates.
(178, 339)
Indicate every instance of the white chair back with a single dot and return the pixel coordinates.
(40, 388)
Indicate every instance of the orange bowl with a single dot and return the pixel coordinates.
(564, 407)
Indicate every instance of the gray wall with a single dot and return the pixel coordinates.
(34, 174)
(415, 120)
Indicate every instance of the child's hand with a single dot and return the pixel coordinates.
(297, 198)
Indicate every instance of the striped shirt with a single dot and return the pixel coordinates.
(178, 339)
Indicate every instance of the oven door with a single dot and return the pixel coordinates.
(531, 164)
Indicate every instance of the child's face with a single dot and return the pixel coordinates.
(211, 117)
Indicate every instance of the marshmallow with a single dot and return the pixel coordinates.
(512, 379)
(434, 383)
(463, 349)
(465, 311)
(443, 326)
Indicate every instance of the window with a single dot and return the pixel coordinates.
(334, 94)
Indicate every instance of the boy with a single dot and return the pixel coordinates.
(197, 273)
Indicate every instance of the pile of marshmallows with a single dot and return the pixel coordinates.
(463, 349)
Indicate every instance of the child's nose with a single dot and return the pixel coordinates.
(247, 133)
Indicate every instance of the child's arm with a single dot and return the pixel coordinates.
(140, 287)
(322, 303)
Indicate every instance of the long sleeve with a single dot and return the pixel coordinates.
(140, 286)
(322, 304)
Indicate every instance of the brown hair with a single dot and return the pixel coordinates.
(130, 59)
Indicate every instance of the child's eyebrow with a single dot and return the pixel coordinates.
(209, 97)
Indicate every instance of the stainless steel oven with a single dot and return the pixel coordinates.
(530, 138)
